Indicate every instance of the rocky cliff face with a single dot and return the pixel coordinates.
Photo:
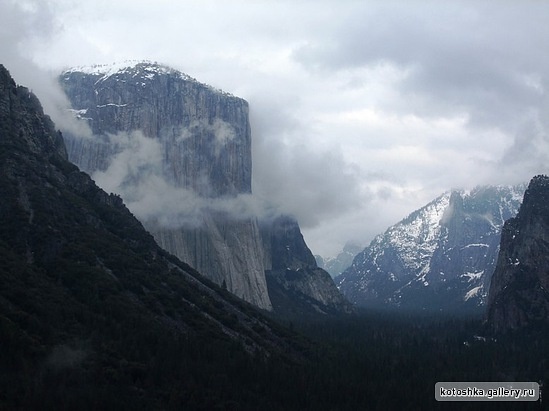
(297, 286)
(159, 133)
(441, 257)
(519, 291)
(179, 154)
(36, 132)
(204, 133)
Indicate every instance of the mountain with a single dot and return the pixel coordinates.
(179, 154)
(519, 291)
(440, 257)
(336, 265)
(93, 313)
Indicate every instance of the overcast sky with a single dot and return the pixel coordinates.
(361, 111)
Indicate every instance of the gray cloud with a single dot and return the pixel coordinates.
(478, 59)
(469, 60)
(24, 26)
(297, 177)
(357, 107)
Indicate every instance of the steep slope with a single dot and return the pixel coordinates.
(438, 258)
(93, 313)
(179, 153)
(519, 291)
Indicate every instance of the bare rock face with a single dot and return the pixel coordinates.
(204, 133)
(178, 152)
(519, 291)
(15, 107)
(229, 251)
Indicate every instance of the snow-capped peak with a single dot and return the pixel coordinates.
(440, 256)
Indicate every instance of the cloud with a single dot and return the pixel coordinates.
(361, 111)
(24, 26)
(470, 75)
(466, 58)
(136, 172)
(310, 181)
(20, 24)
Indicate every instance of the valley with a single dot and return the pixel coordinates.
(96, 312)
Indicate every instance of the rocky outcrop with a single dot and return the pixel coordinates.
(37, 132)
(297, 286)
(519, 290)
(204, 133)
(231, 252)
(440, 257)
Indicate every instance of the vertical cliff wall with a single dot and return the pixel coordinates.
(179, 152)
(519, 290)
(204, 133)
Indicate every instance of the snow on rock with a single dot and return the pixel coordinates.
(437, 255)
(472, 293)
(140, 69)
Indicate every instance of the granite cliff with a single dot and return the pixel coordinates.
(179, 153)
(204, 133)
(193, 141)
(519, 290)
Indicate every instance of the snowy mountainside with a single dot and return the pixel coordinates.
(440, 257)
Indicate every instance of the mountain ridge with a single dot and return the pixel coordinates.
(439, 257)
(336, 265)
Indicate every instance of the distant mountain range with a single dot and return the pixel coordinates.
(336, 265)
(439, 258)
